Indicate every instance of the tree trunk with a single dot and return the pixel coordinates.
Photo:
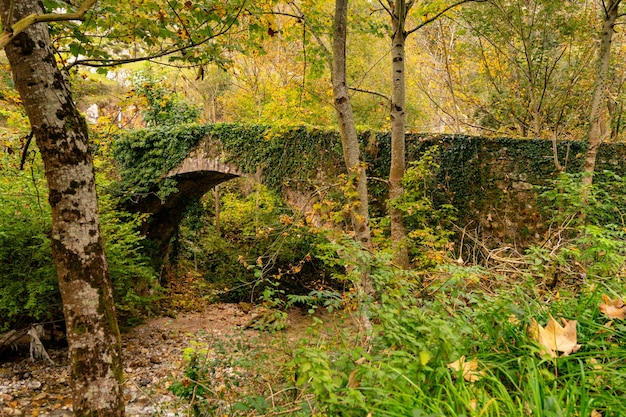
(216, 196)
(77, 248)
(398, 126)
(352, 157)
(599, 92)
(347, 128)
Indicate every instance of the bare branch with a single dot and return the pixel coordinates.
(386, 7)
(23, 24)
(320, 41)
(376, 93)
(180, 20)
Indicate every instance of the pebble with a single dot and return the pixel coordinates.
(40, 396)
(33, 384)
(5, 398)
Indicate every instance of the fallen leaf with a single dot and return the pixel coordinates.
(595, 364)
(360, 361)
(353, 379)
(595, 413)
(555, 338)
(613, 309)
(473, 404)
(468, 369)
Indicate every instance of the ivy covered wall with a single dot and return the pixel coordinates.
(494, 181)
(490, 180)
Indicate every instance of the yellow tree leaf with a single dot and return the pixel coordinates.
(469, 369)
(555, 338)
(613, 309)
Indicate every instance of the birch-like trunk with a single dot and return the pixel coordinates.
(352, 157)
(599, 92)
(77, 248)
(347, 128)
(398, 126)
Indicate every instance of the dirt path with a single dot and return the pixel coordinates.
(153, 360)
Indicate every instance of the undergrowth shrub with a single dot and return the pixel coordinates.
(587, 236)
(261, 243)
(456, 340)
(422, 328)
(136, 291)
(429, 225)
(28, 280)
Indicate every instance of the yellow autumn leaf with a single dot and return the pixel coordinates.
(555, 338)
(469, 369)
(613, 309)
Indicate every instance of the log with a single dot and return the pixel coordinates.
(11, 338)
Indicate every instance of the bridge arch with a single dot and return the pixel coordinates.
(198, 173)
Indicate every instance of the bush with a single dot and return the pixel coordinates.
(28, 280)
(261, 241)
(429, 226)
(452, 349)
(587, 236)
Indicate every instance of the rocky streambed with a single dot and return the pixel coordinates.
(153, 360)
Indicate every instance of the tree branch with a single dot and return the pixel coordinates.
(23, 24)
(318, 38)
(103, 62)
(387, 7)
(375, 93)
(441, 13)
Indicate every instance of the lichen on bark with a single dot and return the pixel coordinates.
(77, 247)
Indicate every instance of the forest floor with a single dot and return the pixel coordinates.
(153, 360)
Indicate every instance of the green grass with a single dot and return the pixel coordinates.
(405, 371)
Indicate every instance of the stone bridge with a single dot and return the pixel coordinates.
(489, 180)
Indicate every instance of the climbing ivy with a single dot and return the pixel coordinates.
(145, 156)
(281, 154)
(473, 171)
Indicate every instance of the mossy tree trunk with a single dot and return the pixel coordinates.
(611, 14)
(77, 247)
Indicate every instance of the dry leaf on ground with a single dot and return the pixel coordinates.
(468, 369)
(554, 337)
(613, 309)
